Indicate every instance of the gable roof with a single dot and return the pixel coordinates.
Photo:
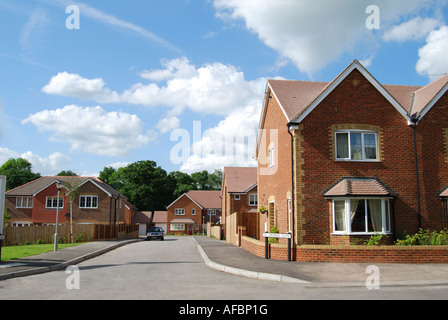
(240, 179)
(205, 199)
(297, 99)
(32, 188)
(356, 187)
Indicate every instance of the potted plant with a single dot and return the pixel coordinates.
(262, 210)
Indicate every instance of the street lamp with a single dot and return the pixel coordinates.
(59, 186)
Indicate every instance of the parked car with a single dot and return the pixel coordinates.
(155, 232)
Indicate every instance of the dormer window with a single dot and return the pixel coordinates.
(356, 146)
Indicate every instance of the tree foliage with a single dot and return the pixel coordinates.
(18, 172)
(149, 187)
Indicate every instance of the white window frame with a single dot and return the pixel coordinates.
(212, 212)
(271, 157)
(237, 197)
(54, 203)
(179, 212)
(28, 201)
(363, 155)
(251, 201)
(385, 212)
(85, 202)
(193, 212)
(177, 227)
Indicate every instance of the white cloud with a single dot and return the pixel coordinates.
(75, 86)
(313, 34)
(230, 143)
(168, 124)
(93, 130)
(37, 21)
(211, 89)
(174, 69)
(432, 57)
(109, 19)
(50, 165)
(414, 30)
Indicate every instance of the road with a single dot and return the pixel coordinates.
(174, 270)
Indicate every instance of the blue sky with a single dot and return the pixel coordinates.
(169, 80)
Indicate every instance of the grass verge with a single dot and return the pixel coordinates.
(18, 252)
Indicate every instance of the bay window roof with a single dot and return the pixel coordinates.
(359, 187)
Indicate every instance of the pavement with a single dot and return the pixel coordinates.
(234, 260)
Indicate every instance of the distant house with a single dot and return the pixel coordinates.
(96, 202)
(188, 213)
(240, 201)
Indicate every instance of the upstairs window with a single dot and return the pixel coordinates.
(179, 212)
(88, 202)
(356, 146)
(253, 200)
(24, 202)
(52, 203)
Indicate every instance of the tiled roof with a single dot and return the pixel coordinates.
(240, 179)
(347, 187)
(160, 217)
(143, 217)
(34, 187)
(295, 97)
(444, 194)
(206, 199)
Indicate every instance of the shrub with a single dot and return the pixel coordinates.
(273, 230)
(425, 238)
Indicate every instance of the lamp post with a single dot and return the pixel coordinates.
(59, 187)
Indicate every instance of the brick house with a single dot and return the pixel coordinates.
(351, 158)
(188, 213)
(96, 202)
(239, 201)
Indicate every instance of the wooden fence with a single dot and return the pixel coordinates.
(82, 233)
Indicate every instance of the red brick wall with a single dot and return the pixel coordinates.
(275, 184)
(352, 254)
(43, 215)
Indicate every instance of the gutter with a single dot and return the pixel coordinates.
(294, 127)
(414, 122)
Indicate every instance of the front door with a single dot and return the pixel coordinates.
(190, 229)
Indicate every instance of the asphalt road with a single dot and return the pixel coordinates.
(174, 270)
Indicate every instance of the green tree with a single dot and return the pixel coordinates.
(183, 183)
(66, 173)
(18, 172)
(106, 175)
(147, 186)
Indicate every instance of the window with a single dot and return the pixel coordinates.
(193, 212)
(356, 146)
(253, 200)
(237, 197)
(212, 212)
(177, 227)
(271, 157)
(88, 202)
(179, 212)
(22, 202)
(52, 202)
(361, 216)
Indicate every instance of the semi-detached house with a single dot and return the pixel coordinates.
(352, 158)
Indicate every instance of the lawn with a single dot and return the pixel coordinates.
(18, 252)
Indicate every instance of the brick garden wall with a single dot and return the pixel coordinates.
(351, 254)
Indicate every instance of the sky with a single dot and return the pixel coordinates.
(91, 84)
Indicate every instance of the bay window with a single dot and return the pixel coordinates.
(361, 216)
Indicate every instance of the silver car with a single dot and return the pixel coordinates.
(155, 232)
